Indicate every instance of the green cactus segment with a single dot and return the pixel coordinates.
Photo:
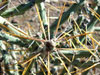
(93, 21)
(43, 13)
(66, 14)
(11, 39)
(85, 64)
(91, 24)
(10, 27)
(38, 1)
(78, 54)
(97, 28)
(7, 57)
(19, 10)
(57, 49)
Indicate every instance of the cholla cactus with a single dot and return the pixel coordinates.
(62, 46)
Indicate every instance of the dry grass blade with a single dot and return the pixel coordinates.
(29, 29)
(66, 57)
(30, 59)
(29, 38)
(41, 23)
(3, 26)
(53, 7)
(62, 63)
(95, 13)
(77, 49)
(69, 2)
(77, 69)
(94, 40)
(48, 63)
(19, 30)
(86, 48)
(52, 57)
(77, 26)
(17, 50)
(11, 27)
(26, 68)
(63, 35)
(60, 19)
(68, 42)
(87, 68)
(14, 70)
(45, 65)
(71, 37)
(23, 56)
(93, 44)
(73, 44)
(42, 68)
(3, 3)
(64, 66)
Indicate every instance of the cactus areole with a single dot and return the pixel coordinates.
(49, 45)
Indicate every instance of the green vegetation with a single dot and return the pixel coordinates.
(65, 46)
